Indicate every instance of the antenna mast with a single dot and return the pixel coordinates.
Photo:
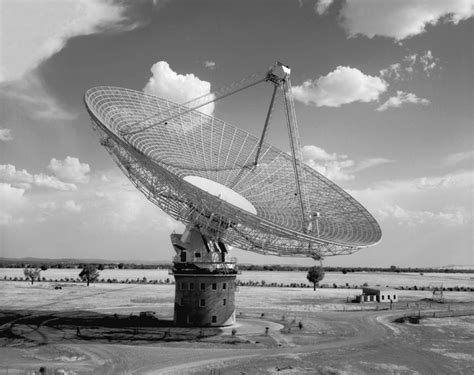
(279, 75)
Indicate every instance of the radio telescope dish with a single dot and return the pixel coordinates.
(201, 171)
(228, 187)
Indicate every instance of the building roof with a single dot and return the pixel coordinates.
(378, 289)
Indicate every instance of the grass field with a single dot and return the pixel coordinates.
(391, 279)
(39, 328)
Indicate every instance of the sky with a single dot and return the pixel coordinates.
(383, 93)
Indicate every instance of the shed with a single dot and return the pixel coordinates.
(377, 294)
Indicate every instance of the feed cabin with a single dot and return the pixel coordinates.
(378, 294)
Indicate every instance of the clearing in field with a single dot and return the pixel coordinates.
(99, 329)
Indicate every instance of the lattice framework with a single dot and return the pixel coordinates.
(193, 144)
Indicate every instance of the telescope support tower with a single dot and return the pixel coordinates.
(205, 277)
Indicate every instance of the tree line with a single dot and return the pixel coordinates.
(80, 265)
(242, 267)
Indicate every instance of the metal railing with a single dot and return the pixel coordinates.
(201, 260)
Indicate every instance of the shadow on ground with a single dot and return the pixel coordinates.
(20, 327)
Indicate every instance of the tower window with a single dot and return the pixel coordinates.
(182, 285)
(197, 254)
(224, 285)
(202, 302)
(225, 301)
(181, 302)
(214, 286)
(214, 319)
(203, 286)
(191, 286)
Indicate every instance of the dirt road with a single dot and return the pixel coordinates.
(339, 342)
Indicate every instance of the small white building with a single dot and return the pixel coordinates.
(377, 294)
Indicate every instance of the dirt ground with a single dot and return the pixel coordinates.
(98, 330)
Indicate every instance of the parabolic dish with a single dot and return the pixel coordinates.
(167, 162)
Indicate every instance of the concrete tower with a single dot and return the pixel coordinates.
(205, 281)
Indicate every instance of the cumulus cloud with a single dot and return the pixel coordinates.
(72, 206)
(12, 199)
(6, 135)
(460, 179)
(423, 200)
(401, 98)
(209, 64)
(423, 62)
(337, 167)
(322, 6)
(390, 188)
(400, 19)
(43, 180)
(31, 93)
(342, 86)
(28, 46)
(23, 179)
(370, 163)
(119, 206)
(9, 173)
(70, 169)
(428, 61)
(54, 209)
(452, 216)
(334, 170)
(458, 157)
(311, 152)
(178, 88)
(394, 71)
